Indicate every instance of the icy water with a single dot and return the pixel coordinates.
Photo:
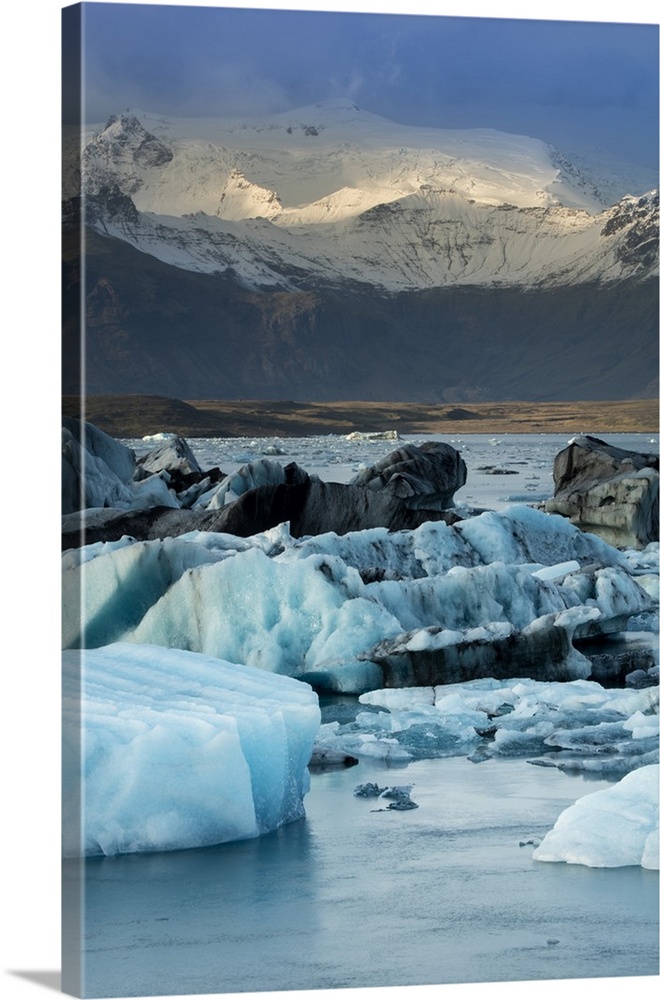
(502, 469)
(352, 897)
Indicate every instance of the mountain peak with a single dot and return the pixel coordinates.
(338, 104)
(125, 121)
(242, 199)
(125, 132)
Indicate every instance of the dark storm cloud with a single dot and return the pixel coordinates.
(557, 80)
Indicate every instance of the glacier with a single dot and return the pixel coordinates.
(337, 194)
(178, 750)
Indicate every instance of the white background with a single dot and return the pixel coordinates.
(29, 193)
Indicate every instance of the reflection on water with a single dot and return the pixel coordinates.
(351, 897)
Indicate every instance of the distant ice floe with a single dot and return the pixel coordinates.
(575, 726)
(373, 436)
(179, 750)
(610, 828)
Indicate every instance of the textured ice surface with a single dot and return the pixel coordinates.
(96, 470)
(318, 604)
(318, 608)
(179, 750)
(610, 828)
(574, 726)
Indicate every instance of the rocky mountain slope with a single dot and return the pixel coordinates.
(254, 259)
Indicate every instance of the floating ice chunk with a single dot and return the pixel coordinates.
(558, 571)
(153, 492)
(320, 609)
(373, 436)
(180, 750)
(262, 472)
(370, 737)
(392, 555)
(369, 790)
(469, 597)
(172, 454)
(256, 610)
(518, 535)
(399, 698)
(642, 726)
(399, 796)
(593, 728)
(610, 828)
(521, 534)
(523, 741)
(385, 748)
(96, 470)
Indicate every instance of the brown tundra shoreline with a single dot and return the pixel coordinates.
(132, 416)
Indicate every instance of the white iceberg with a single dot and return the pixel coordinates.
(164, 749)
(610, 828)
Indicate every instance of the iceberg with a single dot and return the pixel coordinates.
(365, 610)
(164, 749)
(97, 471)
(610, 828)
(262, 472)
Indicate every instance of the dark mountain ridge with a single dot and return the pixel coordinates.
(154, 328)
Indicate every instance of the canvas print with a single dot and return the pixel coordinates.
(359, 500)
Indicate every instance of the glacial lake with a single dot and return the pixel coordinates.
(357, 896)
(501, 469)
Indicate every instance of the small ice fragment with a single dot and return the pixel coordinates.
(369, 790)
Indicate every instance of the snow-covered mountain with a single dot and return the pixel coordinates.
(327, 253)
(331, 193)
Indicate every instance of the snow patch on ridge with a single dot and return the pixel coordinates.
(333, 193)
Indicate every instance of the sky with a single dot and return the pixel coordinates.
(573, 83)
